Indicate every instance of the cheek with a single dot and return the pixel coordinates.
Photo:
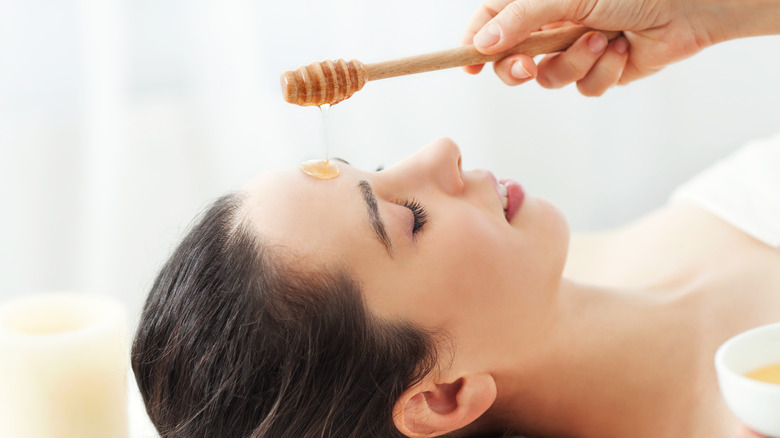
(479, 263)
(465, 264)
(468, 265)
(452, 272)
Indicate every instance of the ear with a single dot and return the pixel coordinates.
(432, 409)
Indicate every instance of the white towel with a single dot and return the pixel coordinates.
(743, 189)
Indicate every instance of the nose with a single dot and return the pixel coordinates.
(438, 163)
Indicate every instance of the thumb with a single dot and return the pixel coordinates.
(518, 19)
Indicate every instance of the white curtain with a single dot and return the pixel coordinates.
(121, 119)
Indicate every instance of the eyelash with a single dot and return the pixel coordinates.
(419, 213)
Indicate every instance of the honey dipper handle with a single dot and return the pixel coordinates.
(547, 41)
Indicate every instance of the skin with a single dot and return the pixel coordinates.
(658, 32)
(595, 336)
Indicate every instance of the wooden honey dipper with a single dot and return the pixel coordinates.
(330, 82)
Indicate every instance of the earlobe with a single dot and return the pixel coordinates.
(432, 409)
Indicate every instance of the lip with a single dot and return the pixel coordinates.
(515, 196)
(495, 184)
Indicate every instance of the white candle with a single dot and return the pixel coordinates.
(63, 363)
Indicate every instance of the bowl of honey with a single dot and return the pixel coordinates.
(748, 367)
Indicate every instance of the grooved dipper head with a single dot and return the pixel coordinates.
(323, 82)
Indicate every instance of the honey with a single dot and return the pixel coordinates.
(322, 169)
(769, 373)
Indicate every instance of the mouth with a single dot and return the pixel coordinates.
(512, 196)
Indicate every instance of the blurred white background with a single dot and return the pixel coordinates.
(120, 120)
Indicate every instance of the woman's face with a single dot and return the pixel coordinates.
(429, 243)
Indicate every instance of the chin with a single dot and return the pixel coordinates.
(539, 212)
(550, 226)
(557, 219)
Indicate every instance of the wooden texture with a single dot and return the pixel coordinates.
(323, 82)
(333, 81)
(538, 43)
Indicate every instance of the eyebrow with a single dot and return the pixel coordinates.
(373, 216)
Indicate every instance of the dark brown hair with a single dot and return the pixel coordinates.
(236, 341)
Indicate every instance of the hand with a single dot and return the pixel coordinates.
(658, 33)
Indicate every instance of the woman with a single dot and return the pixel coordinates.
(425, 300)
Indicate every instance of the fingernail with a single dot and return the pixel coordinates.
(597, 42)
(488, 36)
(518, 71)
(621, 45)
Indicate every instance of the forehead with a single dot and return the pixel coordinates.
(313, 218)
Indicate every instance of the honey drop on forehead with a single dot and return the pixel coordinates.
(320, 169)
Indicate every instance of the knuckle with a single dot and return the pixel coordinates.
(486, 10)
(610, 71)
(582, 10)
(575, 68)
(546, 81)
(516, 12)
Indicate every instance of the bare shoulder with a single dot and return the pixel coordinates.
(666, 247)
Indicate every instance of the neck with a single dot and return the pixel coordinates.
(610, 360)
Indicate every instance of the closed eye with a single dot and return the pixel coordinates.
(419, 213)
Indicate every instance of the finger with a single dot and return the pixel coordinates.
(560, 69)
(473, 69)
(641, 49)
(515, 22)
(482, 15)
(467, 39)
(515, 69)
(557, 25)
(633, 72)
(607, 70)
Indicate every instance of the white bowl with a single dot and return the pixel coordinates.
(755, 403)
